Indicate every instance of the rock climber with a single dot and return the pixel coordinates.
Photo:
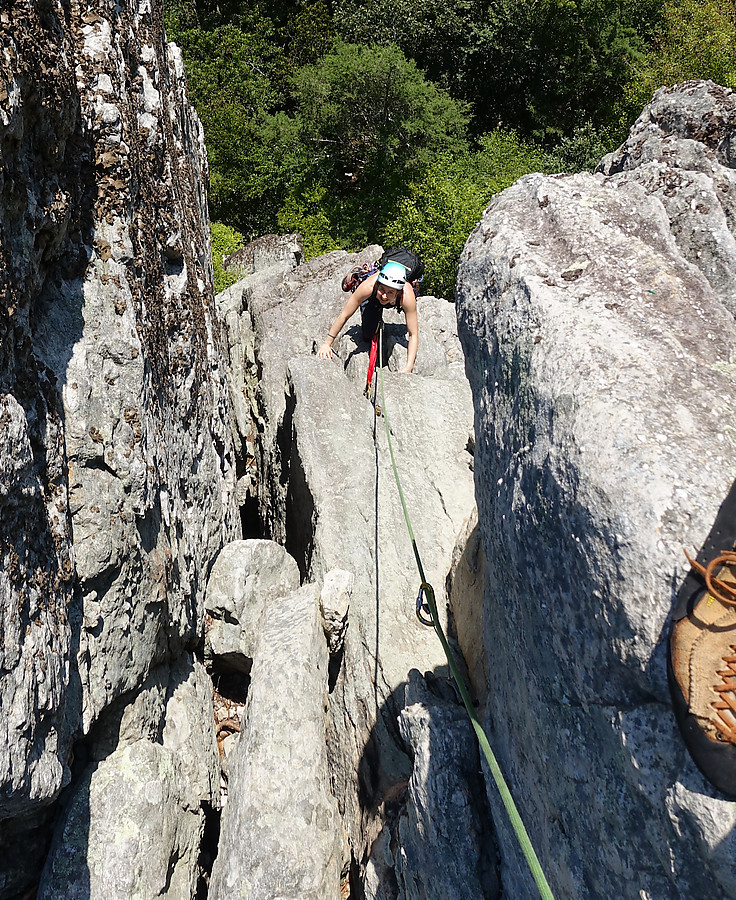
(388, 287)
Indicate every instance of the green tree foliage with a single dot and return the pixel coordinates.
(237, 77)
(369, 119)
(694, 39)
(310, 33)
(438, 35)
(369, 123)
(697, 40)
(312, 211)
(583, 149)
(547, 67)
(208, 15)
(542, 67)
(395, 121)
(225, 240)
(443, 207)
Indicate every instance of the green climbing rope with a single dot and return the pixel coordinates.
(426, 590)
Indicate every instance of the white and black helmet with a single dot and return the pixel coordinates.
(393, 275)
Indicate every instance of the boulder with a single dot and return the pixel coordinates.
(247, 576)
(268, 251)
(438, 841)
(600, 345)
(117, 471)
(281, 835)
(133, 825)
(128, 833)
(683, 152)
(188, 730)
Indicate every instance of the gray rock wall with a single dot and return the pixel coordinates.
(326, 490)
(596, 314)
(133, 824)
(262, 259)
(116, 471)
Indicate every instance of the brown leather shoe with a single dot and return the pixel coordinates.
(702, 654)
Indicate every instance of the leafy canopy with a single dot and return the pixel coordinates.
(370, 124)
(395, 121)
(369, 118)
(225, 241)
(237, 78)
(443, 207)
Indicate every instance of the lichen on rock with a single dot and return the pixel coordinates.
(117, 484)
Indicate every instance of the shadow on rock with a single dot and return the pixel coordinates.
(432, 832)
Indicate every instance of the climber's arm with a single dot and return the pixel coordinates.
(409, 304)
(362, 292)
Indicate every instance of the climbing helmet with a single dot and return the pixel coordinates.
(393, 275)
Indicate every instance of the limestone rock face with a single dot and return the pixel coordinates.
(260, 260)
(682, 151)
(116, 466)
(281, 834)
(436, 841)
(596, 314)
(327, 491)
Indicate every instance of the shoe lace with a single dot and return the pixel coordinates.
(718, 588)
(725, 707)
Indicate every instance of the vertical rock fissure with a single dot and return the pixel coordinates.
(208, 849)
(300, 508)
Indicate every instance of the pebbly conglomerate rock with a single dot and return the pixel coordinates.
(116, 465)
(596, 315)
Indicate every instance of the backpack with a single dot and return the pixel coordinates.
(407, 258)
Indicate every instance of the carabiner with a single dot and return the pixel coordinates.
(421, 605)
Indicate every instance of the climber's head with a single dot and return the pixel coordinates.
(393, 275)
(390, 283)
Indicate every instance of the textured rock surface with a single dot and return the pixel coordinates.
(259, 261)
(327, 491)
(268, 251)
(246, 577)
(600, 345)
(124, 836)
(682, 151)
(263, 333)
(133, 826)
(116, 467)
(281, 835)
(334, 602)
(438, 842)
